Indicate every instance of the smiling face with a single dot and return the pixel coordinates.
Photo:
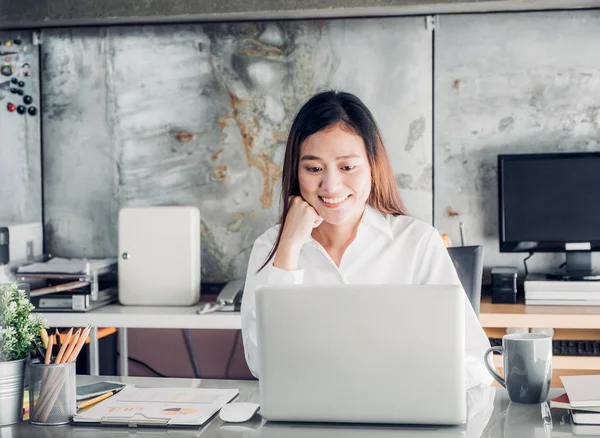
(334, 174)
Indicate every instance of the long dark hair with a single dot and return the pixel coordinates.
(322, 111)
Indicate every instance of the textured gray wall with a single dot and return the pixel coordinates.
(20, 145)
(516, 83)
(198, 115)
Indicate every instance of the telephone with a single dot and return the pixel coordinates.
(230, 298)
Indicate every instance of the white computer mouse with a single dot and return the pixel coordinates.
(238, 412)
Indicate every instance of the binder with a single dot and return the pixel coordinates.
(162, 407)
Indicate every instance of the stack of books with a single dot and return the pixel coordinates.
(539, 290)
(71, 284)
(582, 399)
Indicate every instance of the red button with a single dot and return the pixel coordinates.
(11, 107)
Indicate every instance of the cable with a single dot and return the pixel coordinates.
(144, 364)
(188, 343)
(562, 265)
(233, 348)
(525, 263)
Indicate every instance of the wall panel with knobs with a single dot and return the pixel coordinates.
(20, 139)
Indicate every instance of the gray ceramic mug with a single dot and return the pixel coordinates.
(527, 362)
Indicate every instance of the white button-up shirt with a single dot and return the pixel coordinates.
(387, 250)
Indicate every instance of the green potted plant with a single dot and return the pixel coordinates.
(20, 335)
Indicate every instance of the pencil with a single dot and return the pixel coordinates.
(49, 351)
(95, 400)
(55, 348)
(44, 336)
(63, 347)
(80, 344)
(58, 343)
(40, 355)
(71, 346)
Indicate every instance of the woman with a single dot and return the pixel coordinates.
(343, 221)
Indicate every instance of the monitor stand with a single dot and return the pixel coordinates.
(578, 268)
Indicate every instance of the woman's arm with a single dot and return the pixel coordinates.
(437, 268)
(268, 275)
(284, 267)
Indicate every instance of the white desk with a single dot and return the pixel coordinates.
(124, 317)
(491, 415)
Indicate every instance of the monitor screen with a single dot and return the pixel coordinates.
(548, 201)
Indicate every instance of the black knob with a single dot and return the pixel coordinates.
(14, 81)
(17, 42)
(14, 90)
(21, 109)
(32, 110)
(6, 70)
(21, 84)
(27, 100)
(20, 92)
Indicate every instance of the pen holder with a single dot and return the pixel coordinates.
(52, 393)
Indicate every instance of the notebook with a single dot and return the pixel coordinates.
(583, 391)
(562, 402)
(584, 430)
(585, 417)
(158, 407)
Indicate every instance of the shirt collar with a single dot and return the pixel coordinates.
(370, 218)
(374, 218)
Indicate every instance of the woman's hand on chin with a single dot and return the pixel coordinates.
(301, 219)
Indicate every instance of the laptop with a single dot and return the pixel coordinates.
(362, 353)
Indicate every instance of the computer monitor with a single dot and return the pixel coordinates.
(551, 203)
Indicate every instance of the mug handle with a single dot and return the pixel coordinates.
(493, 372)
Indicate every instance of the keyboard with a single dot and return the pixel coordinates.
(566, 348)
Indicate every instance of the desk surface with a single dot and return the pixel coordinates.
(491, 415)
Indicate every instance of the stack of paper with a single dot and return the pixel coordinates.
(539, 290)
(59, 265)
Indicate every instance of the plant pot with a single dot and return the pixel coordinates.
(12, 379)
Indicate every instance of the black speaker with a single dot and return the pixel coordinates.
(504, 285)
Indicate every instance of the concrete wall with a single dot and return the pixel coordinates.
(508, 83)
(158, 114)
(199, 114)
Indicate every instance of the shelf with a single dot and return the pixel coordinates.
(521, 315)
(116, 315)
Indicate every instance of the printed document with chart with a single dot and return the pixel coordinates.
(158, 407)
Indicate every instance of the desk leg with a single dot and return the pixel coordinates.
(123, 353)
(94, 358)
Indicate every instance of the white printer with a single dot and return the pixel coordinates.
(20, 242)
